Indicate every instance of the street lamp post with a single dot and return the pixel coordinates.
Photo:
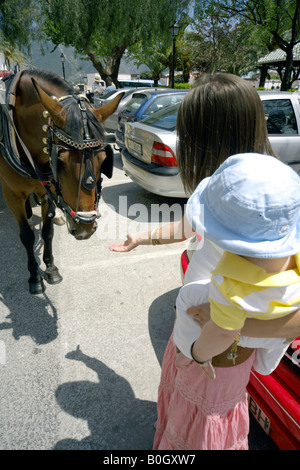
(62, 58)
(174, 32)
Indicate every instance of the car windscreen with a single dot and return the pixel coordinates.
(280, 116)
(163, 101)
(164, 118)
(134, 104)
(108, 94)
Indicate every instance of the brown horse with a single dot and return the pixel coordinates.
(52, 145)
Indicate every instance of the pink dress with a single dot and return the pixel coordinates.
(197, 413)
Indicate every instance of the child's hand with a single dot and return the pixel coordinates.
(201, 313)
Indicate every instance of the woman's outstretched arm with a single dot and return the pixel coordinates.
(170, 233)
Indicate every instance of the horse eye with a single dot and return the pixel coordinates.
(61, 164)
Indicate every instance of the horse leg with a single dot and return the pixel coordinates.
(29, 212)
(17, 205)
(52, 274)
(28, 208)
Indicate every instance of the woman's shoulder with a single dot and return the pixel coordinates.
(204, 257)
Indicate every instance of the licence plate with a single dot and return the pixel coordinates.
(135, 146)
(259, 415)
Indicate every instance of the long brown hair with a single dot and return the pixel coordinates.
(222, 116)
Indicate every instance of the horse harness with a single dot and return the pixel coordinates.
(87, 146)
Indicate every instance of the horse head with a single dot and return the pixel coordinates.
(74, 135)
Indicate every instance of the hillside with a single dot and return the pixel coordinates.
(75, 67)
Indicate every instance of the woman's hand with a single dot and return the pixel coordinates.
(171, 233)
(129, 244)
(201, 313)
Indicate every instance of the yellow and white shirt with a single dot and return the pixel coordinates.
(240, 289)
(197, 280)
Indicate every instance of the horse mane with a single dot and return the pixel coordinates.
(73, 114)
(51, 78)
(74, 122)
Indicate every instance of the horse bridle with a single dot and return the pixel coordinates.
(48, 177)
(87, 146)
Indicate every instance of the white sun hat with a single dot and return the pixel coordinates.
(251, 207)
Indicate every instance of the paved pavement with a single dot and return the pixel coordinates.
(80, 364)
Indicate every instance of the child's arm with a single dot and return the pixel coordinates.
(225, 324)
(283, 327)
(213, 341)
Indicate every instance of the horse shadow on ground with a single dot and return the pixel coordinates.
(117, 420)
(23, 313)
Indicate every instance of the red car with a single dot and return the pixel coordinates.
(274, 400)
(3, 73)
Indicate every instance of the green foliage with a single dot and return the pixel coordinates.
(12, 55)
(227, 35)
(274, 22)
(108, 24)
(183, 86)
(103, 30)
(216, 43)
(18, 22)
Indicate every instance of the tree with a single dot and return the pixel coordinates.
(217, 43)
(11, 54)
(103, 30)
(281, 18)
(18, 22)
(158, 57)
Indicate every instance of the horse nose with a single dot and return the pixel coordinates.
(83, 232)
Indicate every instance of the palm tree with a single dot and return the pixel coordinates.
(11, 54)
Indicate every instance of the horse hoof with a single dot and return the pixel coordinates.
(36, 287)
(31, 223)
(53, 277)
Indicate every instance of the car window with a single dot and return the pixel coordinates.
(280, 116)
(108, 94)
(161, 102)
(164, 119)
(135, 103)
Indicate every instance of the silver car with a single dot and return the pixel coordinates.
(111, 123)
(149, 156)
(144, 104)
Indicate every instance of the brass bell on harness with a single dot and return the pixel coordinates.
(45, 150)
(45, 114)
(45, 128)
(45, 140)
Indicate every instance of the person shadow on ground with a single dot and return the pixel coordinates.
(116, 418)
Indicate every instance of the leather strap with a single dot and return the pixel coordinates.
(222, 361)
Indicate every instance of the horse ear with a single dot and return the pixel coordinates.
(108, 109)
(54, 109)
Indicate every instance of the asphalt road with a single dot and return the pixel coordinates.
(80, 364)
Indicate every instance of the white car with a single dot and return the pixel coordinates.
(149, 156)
